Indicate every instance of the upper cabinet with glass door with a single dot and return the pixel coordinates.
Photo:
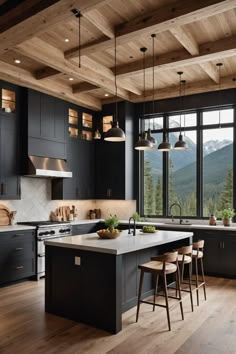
(8, 101)
(73, 121)
(87, 126)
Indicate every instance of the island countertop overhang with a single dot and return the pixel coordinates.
(123, 244)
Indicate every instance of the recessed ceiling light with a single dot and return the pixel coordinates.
(17, 61)
(67, 40)
(71, 79)
(106, 94)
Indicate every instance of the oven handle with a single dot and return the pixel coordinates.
(52, 237)
(41, 255)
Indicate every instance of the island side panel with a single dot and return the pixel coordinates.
(89, 292)
(131, 273)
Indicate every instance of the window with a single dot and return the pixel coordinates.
(217, 170)
(182, 183)
(200, 178)
(153, 202)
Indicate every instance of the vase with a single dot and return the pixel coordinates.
(212, 220)
(227, 221)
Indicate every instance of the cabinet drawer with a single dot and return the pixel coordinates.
(16, 270)
(84, 229)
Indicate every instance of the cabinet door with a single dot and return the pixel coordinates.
(34, 114)
(110, 170)
(212, 254)
(60, 120)
(47, 116)
(9, 184)
(85, 167)
(228, 250)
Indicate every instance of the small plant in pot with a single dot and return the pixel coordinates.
(111, 231)
(227, 215)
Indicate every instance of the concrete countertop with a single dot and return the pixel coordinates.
(16, 228)
(123, 244)
(191, 225)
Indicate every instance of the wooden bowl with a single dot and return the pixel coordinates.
(108, 235)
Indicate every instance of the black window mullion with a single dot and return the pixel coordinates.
(165, 171)
(234, 162)
(199, 166)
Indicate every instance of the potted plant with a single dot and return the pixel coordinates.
(227, 215)
(111, 231)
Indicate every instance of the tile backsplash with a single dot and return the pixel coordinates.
(36, 203)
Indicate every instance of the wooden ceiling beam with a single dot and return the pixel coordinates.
(222, 48)
(19, 76)
(165, 18)
(211, 70)
(48, 55)
(191, 89)
(83, 87)
(186, 39)
(27, 27)
(101, 22)
(45, 72)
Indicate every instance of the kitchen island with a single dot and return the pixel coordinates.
(94, 281)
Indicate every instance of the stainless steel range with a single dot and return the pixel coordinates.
(47, 230)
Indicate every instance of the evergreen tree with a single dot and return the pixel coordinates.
(172, 195)
(149, 196)
(158, 197)
(226, 200)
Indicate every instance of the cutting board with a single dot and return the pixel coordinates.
(4, 215)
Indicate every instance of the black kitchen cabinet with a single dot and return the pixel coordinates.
(81, 162)
(9, 151)
(219, 252)
(114, 161)
(45, 118)
(17, 255)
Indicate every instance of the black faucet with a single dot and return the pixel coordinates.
(180, 212)
(134, 230)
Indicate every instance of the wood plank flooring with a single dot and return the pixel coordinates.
(211, 329)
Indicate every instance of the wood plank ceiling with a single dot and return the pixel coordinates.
(191, 36)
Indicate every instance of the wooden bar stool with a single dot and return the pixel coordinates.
(161, 266)
(185, 258)
(198, 258)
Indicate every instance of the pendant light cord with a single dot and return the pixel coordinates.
(115, 73)
(180, 97)
(79, 17)
(184, 91)
(219, 65)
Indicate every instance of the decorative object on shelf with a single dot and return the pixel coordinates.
(112, 223)
(165, 145)
(115, 133)
(143, 143)
(212, 220)
(219, 65)
(97, 135)
(180, 144)
(6, 216)
(227, 215)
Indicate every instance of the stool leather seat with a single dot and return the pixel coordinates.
(155, 266)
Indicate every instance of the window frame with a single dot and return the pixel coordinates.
(199, 128)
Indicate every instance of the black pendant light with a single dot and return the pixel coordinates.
(165, 145)
(149, 136)
(143, 143)
(115, 134)
(219, 65)
(180, 144)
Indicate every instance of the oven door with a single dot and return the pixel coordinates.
(41, 259)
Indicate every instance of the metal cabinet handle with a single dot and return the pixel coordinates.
(20, 267)
(109, 192)
(19, 249)
(3, 188)
(223, 244)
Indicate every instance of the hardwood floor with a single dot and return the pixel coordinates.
(25, 327)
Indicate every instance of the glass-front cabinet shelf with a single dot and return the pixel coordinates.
(106, 123)
(87, 135)
(87, 120)
(73, 132)
(73, 117)
(8, 101)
